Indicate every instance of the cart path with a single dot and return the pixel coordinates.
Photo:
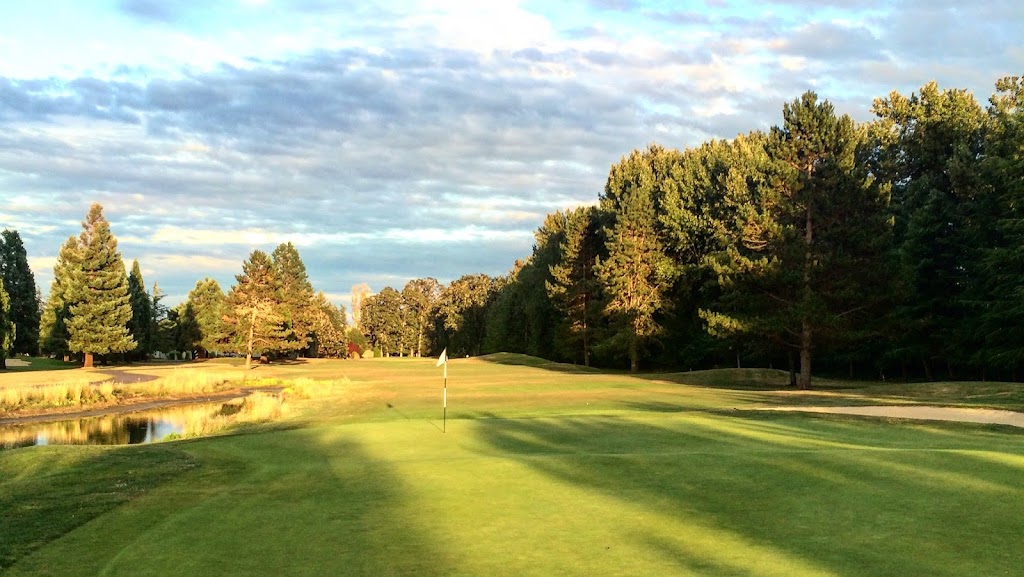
(924, 413)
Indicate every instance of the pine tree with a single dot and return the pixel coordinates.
(141, 323)
(573, 288)
(943, 216)
(99, 317)
(209, 304)
(21, 289)
(7, 328)
(1002, 309)
(636, 273)
(809, 255)
(253, 310)
(64, 293)
(296, 296)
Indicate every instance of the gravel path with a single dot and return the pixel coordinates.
(926, 413)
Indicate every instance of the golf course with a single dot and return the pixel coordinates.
(541, 469)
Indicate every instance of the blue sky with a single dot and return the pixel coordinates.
(408, 139)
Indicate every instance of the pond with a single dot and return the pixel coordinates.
(148, 426)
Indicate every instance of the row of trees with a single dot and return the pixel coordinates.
(95, 308)
(892, 246)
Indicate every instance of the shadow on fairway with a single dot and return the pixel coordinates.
(521, 360)
(790, 496)
(281, 503)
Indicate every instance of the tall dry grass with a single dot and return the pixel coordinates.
(180, 382)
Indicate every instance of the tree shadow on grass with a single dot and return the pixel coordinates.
(279, 503)
(791, 495)
(46, 492)
(521, 360)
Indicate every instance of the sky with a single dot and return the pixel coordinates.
(404, 139)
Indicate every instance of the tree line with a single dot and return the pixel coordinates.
(878, 249)
(94, 308)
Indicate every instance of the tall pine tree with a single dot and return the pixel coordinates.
(636, 273)
(209, 305)
(64, 292)
(810, 258)
(296, 296)
(253, 308)
(574, 289)
(99, 318)
(141, 323)
(20, 284)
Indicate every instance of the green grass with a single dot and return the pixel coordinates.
(542, 471)
(40, 364)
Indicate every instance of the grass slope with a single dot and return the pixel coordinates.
(542, 471)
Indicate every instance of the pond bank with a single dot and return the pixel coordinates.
(63, 413)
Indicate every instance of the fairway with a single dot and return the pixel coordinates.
(545, 469)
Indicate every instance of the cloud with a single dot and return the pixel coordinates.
(394, 141)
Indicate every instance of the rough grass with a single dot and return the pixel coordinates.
(94, 387)
(542, 472)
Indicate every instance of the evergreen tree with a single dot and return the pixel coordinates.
(296, 296)
(7, 328)
(141, 323)
(1002, 307)
(209, 305)
(574, 289)
(21, 289)
(943, 218)
(64, 291)
(636, 273)
(99, 317)
(812, 258)
(253, 310)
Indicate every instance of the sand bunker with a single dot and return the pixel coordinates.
(925, 413)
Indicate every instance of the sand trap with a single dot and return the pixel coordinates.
(17, 363)
(925, 413)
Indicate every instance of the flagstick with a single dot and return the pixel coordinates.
(444, 421)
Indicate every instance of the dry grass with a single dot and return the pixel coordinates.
(307, 388)
(77, 392)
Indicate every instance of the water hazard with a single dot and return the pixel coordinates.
(147, 426)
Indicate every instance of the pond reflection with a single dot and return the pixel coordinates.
(139, 427)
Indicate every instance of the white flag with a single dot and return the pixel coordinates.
(443, 359)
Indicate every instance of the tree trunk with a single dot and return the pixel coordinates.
(738, 366)
(927, 370)
(88, 360)
(805, 324)
(586, 341)
(949, 369)
(634, 356)
(792, 369)
(805, 356)
(252, 329)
